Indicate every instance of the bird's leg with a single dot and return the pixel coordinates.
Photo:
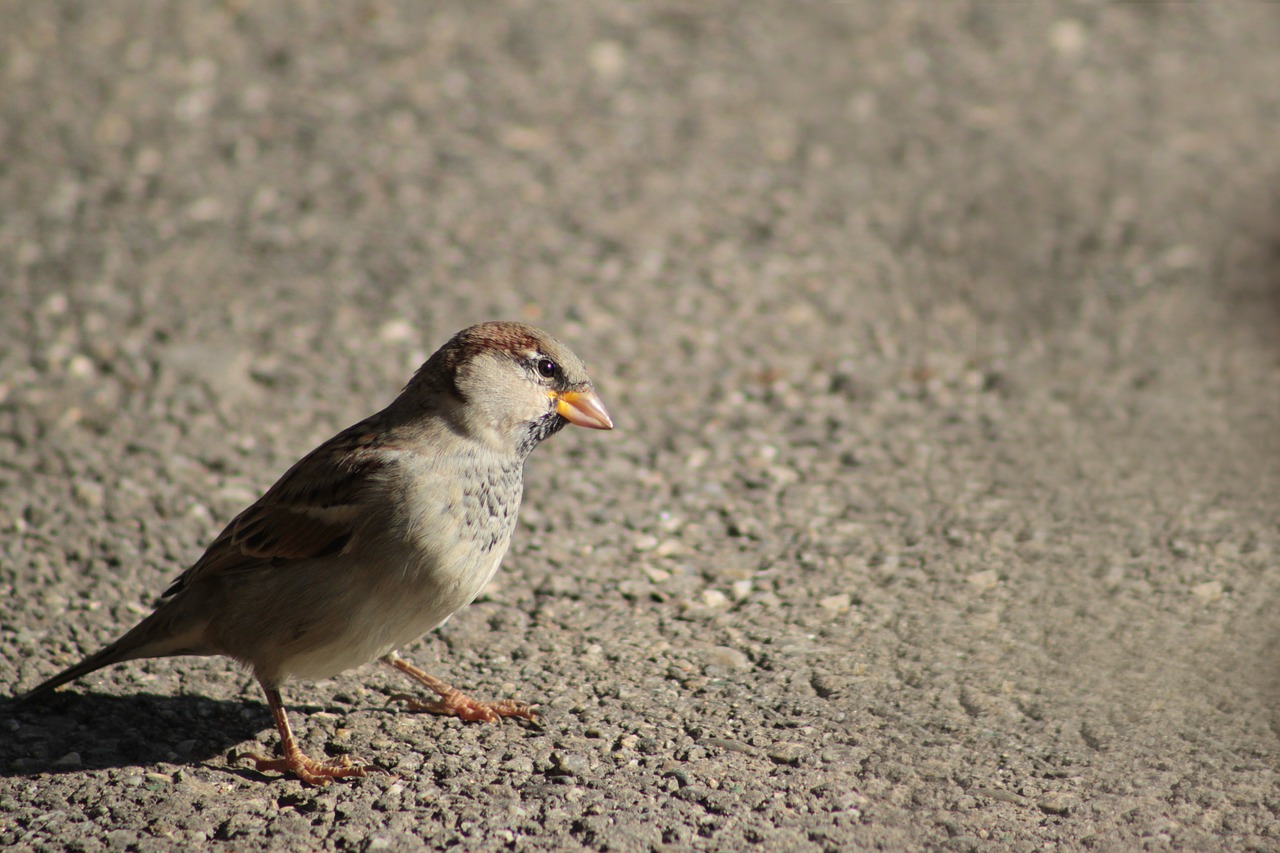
(454, 702)
(319, 773)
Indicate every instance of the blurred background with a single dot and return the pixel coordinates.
(941, 341)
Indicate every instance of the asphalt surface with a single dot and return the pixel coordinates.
(942, 345)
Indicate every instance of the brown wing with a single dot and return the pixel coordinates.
(310, 512)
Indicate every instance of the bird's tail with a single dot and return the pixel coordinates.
(153, 637)
(106, 657)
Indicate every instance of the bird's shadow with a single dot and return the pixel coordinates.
(69, 732)
(72, 732)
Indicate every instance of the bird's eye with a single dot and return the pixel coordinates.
(547, 368)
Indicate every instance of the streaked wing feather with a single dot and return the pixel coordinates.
(310, 511)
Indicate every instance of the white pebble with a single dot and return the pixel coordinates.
(395, 331)
(1207, 592)
(608, 59)
(837, 603)
(714, 598)
(728, 657)
(984, 580)
(1068, 37)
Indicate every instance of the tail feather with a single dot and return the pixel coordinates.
(94, 662)
(153, 637)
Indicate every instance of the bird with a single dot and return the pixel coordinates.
(375, 537)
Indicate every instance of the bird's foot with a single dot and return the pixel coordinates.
(455, 703)
(318, 773)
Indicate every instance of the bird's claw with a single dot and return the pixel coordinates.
(462, 706)
(318, 773)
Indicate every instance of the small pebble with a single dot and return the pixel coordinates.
(396, 331)
(89, 494)
(984, 580)
(571, 763)
(608, 59)
(787, 753)
(837, 603)
(1068, 37)
(728, 658)
(71, 759)
(519, 764)
(1208, 592)
(714, 598)
(667, 547)
(1056, 804)
(80, 366)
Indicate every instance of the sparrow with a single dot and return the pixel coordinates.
(376, 537)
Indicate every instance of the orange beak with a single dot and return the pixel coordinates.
(583, 408)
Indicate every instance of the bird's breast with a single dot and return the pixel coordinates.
(459, 529)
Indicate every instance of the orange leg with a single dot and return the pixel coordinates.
(319, 773)
(455, 703)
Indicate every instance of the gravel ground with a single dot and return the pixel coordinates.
(942, 344)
